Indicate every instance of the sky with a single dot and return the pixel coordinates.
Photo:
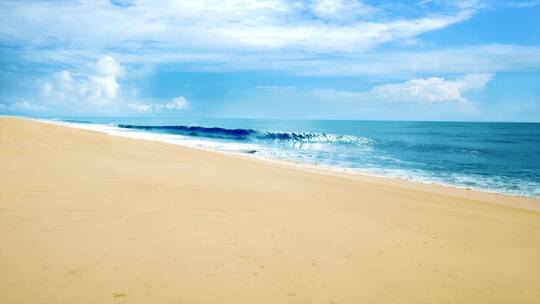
(459, 60)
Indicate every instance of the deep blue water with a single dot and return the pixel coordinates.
(499, 157)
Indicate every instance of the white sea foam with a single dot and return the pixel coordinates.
(160, 137)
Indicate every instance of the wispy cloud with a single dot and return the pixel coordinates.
(489, 58)
(399, 64)
(522, 4)
(210, 25)
(179, 103)
(324, 37)
(341, 10)
(23, 106)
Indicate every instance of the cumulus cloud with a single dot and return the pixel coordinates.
(430, 90)
(108, 66)
(100, 86)
(103, 87)
(176, 104)
(58, 86)
(421, 90)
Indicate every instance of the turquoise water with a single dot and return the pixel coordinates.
(497, 157)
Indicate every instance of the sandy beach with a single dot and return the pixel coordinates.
(91, 218)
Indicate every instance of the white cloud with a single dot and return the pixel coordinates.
(324, 37)
(394, 64)
(27, 106)
(210, 25)
(430, 90)
(291, 36)
(277, 89)
(470, 4)
(103, 87)
(46, 89)
(340, 9)
(141, 107)
(63, 77)
(463, 4)
(61, 87)
(307, 37)
(108, 66)
(463, 60)
(420, 90)
(176, 104)
(99, 87)
(23, 106)
(522, 4)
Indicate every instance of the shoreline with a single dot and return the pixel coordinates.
(90, 218)
(499, 198)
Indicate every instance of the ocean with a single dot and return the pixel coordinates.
(493, 157)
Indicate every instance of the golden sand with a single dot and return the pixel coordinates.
(91, 218)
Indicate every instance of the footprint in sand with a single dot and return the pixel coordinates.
(118, 295)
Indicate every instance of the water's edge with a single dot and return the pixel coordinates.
(173, 139)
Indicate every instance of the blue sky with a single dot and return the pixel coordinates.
(466, 60)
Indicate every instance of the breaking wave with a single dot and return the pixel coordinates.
(253, 135)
